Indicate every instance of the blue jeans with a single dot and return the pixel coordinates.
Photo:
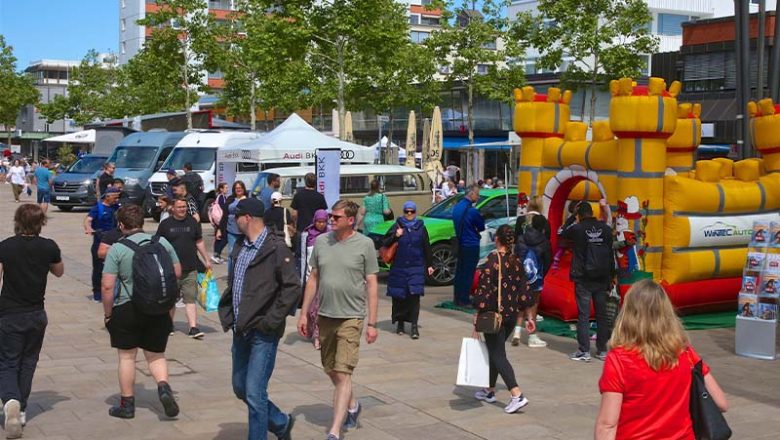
(254, 356)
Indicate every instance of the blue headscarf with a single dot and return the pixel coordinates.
(402, 220)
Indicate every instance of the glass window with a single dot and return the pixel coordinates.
(671, 24)
(419, 37)
(87, 165)
(414, 19)
(482, 69)
(430, 21)
(490, 45)
(248, 167)
(354, 184)
(133, 157)
(496, 208)
(201, 158)
(443, 209)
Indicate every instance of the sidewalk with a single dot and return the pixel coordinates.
(406, 387)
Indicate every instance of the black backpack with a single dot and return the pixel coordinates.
(599, 260)
(154, 281)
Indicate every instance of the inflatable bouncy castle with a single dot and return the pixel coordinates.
(685, 223)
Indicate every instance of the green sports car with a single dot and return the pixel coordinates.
(497, 206)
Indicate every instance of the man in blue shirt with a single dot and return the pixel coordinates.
(468, 224)
(273, 183)
(99, 220)
(43, 180)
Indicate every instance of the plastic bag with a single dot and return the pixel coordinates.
(208, 292)
(473, 366)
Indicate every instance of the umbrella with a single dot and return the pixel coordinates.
(335, 122)
(411, 137)
(432, 161)
(425, 139)
(348, 135)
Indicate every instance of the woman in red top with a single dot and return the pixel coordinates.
(646, 383)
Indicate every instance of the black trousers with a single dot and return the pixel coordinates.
(496, 347)
(21, 339)
(584, 294)
(97, 265)
(407, 309)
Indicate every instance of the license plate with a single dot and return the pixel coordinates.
(62, 198)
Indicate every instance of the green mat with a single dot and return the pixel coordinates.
(560, 328)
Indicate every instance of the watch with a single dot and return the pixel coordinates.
(371, 325)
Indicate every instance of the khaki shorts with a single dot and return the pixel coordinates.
(188, 287)
(340, 342)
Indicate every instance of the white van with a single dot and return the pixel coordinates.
(200, 149)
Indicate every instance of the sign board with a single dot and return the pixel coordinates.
(725, 230)
(226, 173)
(16, 148)
(328, 168)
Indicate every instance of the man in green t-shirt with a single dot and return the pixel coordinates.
(130, 330)
(344, 268)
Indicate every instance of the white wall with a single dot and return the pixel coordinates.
(132, 38)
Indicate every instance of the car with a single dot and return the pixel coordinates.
(75, 187)
(497, 206)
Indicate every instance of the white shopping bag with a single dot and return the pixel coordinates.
(473, 367)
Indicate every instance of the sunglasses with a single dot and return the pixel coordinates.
(409, 211)
(335, 217)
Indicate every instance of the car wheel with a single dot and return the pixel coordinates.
(204, 212)
(65, 208)
(444, 263)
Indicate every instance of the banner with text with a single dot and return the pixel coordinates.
(329, 174)
(725, 230)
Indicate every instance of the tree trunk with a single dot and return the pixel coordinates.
(267, 117)
(186, 81)
(391, 157)
(252, 107)
(472, 151)
(594, 78)
(341, 92)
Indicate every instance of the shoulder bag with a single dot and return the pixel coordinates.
(490, 322)
(708, 421)
(390, 215)
(387, 253)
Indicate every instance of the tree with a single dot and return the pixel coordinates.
(351, 40)
(182, 33)
(603, 39)
(263, 57)
(480, 48)
(91, 93)
(65, 155)
(16, 89)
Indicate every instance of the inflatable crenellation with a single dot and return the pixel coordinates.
(650, 110)
(681, 145)
(765, 129)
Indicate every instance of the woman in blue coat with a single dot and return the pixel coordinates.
(406, 282)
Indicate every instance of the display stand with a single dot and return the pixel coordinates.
(759, 297)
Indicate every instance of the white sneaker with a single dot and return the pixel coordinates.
(180, 303)
(539, 318)
(515, 404)
(13, 425)
(485, 395)
(216, 260)
(23, 418)
(534, 341)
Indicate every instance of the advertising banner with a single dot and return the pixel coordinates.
(226, 172)
(329, 174)
(725, 230)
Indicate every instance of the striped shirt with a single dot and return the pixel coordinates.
(245, 256)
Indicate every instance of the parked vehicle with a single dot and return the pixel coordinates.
(137, 158)
(200, 149)
(76, 185)
(497, 206)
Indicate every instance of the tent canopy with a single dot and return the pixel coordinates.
(294, 141)
(78, 137)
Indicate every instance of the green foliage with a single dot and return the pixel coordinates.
(16, 89)
(603, 39)
(65, 155)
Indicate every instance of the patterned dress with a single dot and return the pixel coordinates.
(375, 205)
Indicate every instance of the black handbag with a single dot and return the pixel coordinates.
(389, 216)
(490, 322)
(708, 421)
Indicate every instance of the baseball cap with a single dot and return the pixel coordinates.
(250, 206)
(111, 190)
(276, 195)
(170, 171)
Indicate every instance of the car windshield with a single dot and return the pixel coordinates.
(443, 209)
(201, 158)
(87, 165)
(133, 157)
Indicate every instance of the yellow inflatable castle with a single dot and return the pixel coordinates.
(689, 221)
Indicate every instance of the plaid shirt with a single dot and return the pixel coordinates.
(192, 205)
(245, 256)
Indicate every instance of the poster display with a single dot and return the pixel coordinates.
(329, 174)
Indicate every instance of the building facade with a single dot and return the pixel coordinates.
(51, 79)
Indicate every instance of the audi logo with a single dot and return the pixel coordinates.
(347, 154)
(246, 155)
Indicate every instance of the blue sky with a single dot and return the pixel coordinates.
(59, 29)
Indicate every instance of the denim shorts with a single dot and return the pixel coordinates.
(44, 196)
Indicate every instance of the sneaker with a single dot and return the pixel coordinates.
(125, 409)
(534, 341)
(23, 418)
(580, 356)
(165, 393)
(13, 424)
(399, 328)
(515, 340)
(173, 330)
(415, 332)
(288, 430)
(515, 404)
(180, 303)
(332, 437)
(602, 355)
(485, 395)
(351, 422)
(195, 333)
(216, 260)
(539, 318)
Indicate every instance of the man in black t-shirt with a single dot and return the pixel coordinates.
(180, 191)
(25, 262)
(106, 179)
(305, 202)
(186, 236)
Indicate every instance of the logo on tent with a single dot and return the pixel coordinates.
(347, 154)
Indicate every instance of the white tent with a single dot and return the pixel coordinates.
(294, 142)
(78, 137)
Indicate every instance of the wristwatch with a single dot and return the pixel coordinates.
(371, 325)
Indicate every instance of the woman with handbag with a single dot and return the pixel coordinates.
(501, 295)
(406, 281)
(646, 383)
(375, 209)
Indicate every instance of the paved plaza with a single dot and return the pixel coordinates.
(406, 387)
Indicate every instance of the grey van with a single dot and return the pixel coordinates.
(76, 186)
(140, 155)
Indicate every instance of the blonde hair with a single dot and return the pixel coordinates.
(648, 325)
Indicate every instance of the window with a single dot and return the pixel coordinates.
(490, 45)
(671, 24)
(418, 37)
(216, 75)
(354, 184)
(496, 208)
(124, 47)
(414, 19)
(123, 24)
(444, 70)
(430, 21)
(122, 2)
(482, 69)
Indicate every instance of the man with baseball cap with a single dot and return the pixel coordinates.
(263, 286)
(99, 220)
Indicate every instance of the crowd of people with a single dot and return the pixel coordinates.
(314, 257)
